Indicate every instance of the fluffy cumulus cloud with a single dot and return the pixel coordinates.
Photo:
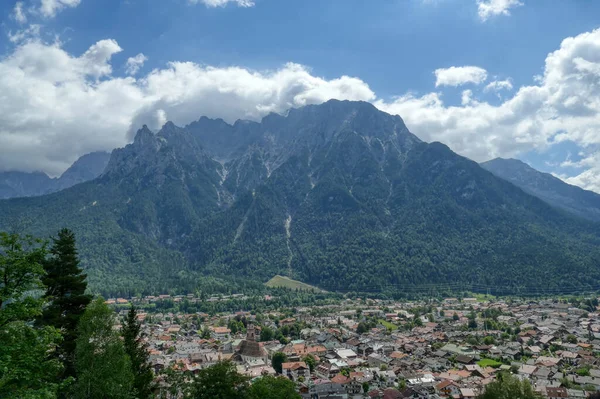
(57, 106)
(223, 3)
(456, 76)
(134, 64)
(185, 90)
(49, 8)
(491, 8)
(589, 178)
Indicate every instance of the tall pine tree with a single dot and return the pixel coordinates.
(137, 350)
(65, 292)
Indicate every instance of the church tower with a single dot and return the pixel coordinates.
(251, 333)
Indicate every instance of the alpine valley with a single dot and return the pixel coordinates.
(339, 195)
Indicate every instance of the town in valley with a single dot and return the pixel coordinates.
(373, 348)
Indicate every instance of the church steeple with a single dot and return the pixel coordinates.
(251, 333)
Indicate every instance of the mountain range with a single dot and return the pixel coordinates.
(339, 195)
(23, 184)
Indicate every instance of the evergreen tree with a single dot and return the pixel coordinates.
(102, 367)
(65, 290)
(137, 350)
(277, 361)
(310, 362)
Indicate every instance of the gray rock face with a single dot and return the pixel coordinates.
(548, 188)
(22, 184)
(86, 168)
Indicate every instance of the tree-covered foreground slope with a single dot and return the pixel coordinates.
(340, 195)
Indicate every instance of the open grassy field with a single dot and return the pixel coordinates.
(489, 363)
(286, 282)
(388, 325)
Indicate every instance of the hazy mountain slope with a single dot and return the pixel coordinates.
(86, 168)
(23, 184)
(554, 191)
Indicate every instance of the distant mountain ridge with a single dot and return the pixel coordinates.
(340, 195)
(22, 184)
(573, 199)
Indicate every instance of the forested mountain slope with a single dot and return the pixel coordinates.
(339, 195)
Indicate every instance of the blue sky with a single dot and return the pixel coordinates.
(233, 60)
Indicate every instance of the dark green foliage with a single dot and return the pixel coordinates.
(277, 361)
(137, 350)
(310, 362)
(21, 271)
(102, 367)
(362, 328)
(27, 367)
(221, 381)
(269, 387)
(472, 321)
(266, 334)
(509, 387)
(65, 290)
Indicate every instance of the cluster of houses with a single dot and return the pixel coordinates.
(442, 355)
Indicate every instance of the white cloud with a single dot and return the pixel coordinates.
(223, 3)
(49, 8)
(134, 64)
(467, 98)
(498, 85)
(490, 8)
(31, 32)
(589, 178)
(19, 13)
(185, 90)
(456, 76)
